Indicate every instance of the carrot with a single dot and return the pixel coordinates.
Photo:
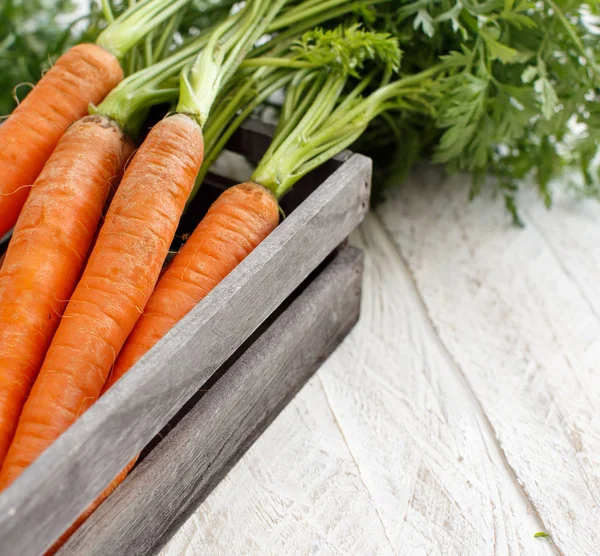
(236, 223)
(83, 75)
(119, 277)
(47, 252)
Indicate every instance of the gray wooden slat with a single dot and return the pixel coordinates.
(51, 493)
(146, 510)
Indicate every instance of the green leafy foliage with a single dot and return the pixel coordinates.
(324, 72)
(347, 47)
(518, 79)
(517, 94)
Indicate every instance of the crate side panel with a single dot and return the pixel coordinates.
(76, 468)
(166, 488)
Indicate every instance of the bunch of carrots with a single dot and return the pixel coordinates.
(84, 288)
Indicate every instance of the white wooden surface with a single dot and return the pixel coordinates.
(462, 414)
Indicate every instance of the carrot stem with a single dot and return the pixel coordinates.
(226, 49)
(333, 123)
(217, 143)
(167, 36)
(107, 11)
(275, 62)
(136, 22)
(133, 93)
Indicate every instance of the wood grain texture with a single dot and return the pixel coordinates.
(517, 311)
(86, 458)
(178, 474)
(385, 451)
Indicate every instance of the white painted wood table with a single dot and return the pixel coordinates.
(462, 414)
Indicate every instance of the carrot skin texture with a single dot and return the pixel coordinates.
(84, 74)
(115, 286)
(47, 252)
(233, 227)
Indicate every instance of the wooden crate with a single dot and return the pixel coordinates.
(258, 374)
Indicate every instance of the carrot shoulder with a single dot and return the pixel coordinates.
(115, 286)
(47, 252)
(83, 75)
(235, 224)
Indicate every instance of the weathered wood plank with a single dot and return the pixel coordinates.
(570, 231)
(50, 494)
(522, 332)
(386, 451)
(422, 444)
(179, 473)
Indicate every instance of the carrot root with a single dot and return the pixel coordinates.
(119, 277)
(47, 251)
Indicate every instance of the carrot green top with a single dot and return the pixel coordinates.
(315, 131)
(326, 73)
(124, 32)
(204, 65)
(227, 46)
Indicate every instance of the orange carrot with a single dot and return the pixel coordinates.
(115, 286)
(83, 75)
(47, 252)
(234, 225)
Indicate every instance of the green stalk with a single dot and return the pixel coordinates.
(149, 49)
(136, 91)
(217, 145)
(327, 96)
(335, 149)
(135, 23)
(304, 11)
(167, 36)
(202, 76)
(334, 125)
(300, 96)
(143, 88)
(132, 61)
(277, 167)
(107, 11)
(228, 105)
(275, 62)
(314, 96)
(228, 46)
